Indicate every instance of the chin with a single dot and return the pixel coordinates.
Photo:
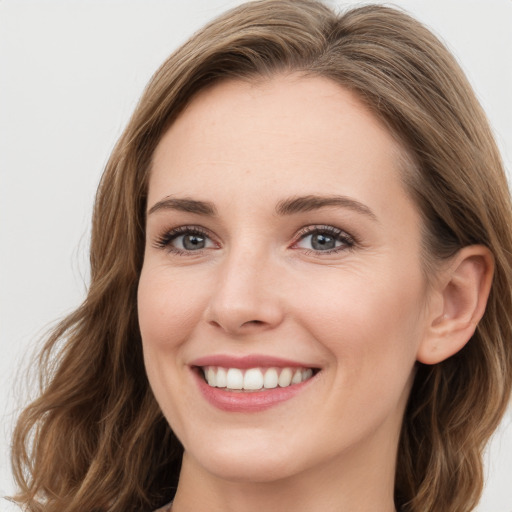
(250, 471)
(249, 463)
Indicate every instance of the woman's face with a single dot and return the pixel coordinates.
(281, 244)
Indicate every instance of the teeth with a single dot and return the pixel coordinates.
(211, 377)
(222, 378)
(255, 378)
(235, 379)
(297, 377)
(307, 374)
(271, 379)
(285, 379)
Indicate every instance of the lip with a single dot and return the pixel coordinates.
(247, 402)
(249, 361)
(254, 401)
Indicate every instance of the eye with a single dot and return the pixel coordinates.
(185, 239)
(326, 239)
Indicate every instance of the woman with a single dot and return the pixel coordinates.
(300, 283)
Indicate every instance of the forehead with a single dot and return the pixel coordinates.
(306, 134)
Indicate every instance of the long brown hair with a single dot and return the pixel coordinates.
(95, 438)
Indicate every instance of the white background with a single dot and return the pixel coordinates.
(71, 72)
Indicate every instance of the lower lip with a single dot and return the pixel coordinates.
(253, 401)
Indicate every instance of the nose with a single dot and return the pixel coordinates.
(246, 297)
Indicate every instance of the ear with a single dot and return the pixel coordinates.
(460, 297)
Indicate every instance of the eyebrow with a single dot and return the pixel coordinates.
(314, 202)
(289, 206)
(185, 205)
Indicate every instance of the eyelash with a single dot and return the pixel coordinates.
(348, 242)
(164, 241)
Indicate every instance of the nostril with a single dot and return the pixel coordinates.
(253, 322)
(249, 323)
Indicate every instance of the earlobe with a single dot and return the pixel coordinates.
(462, 289)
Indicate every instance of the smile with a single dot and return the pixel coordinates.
(251, 383)
(254, 379)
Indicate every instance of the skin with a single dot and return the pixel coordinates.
(360, 314)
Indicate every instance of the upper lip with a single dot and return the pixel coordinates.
(248, 361)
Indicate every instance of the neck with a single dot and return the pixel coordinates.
(340, 486)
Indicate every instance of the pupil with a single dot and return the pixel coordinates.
(193, 242)
(323, 242)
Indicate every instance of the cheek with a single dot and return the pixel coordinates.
(371, 331)
(370, 324)
(169, 307)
